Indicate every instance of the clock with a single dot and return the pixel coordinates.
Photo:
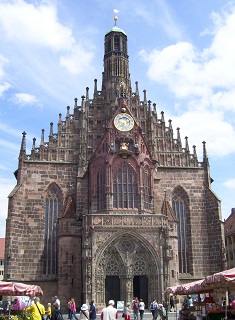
(123, 122)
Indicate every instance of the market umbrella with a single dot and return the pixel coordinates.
(19, 289)
(224, 279)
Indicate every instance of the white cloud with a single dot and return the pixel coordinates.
(230, 183)
(35, 27)
(200, 125)
(75, 60)
(203, 81)
(24, 99)
(35, 24)
(4, 87)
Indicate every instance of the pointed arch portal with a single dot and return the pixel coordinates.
(125, 268)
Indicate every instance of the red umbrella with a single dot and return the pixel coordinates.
(19, 289)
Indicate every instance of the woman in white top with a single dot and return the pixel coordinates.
(127, 312)
(141, 308)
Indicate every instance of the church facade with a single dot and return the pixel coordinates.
(113, 205)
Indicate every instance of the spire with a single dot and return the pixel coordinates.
(67, 114)
(145, 98)
(162, 118)
(23, 145)
(186, 145)
(179, 138)
(82, 104)
(75, 103)
(95, 87)
(34, 144)
(136, 89)
(154, 107)
(51, 129)
(42, 137)
(195, 153)
(170, 124)
(60, 120)
(205, 157)
(87, 94)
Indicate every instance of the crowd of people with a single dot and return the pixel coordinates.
(38, 311)
(88, 312)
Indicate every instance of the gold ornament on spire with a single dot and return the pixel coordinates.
(115, 16)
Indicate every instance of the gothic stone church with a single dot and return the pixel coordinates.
(113, 205)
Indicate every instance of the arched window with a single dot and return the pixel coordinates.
(147, 189)
(125, 188)
(180, 207)
(101, 193)
(52, 211)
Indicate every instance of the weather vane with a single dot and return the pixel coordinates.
(115, 16)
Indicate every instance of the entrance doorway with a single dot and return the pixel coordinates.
(112, 289)
(140, 288)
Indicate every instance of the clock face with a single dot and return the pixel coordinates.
(123, 122)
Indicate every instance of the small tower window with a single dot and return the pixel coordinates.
(116, 43)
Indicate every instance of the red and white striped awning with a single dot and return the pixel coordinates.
(19, 289)
(227, 276)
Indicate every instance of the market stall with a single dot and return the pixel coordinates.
(213, 285)
(18, 289)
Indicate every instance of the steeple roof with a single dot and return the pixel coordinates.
(116, 29)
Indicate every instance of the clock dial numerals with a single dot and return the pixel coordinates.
(124, 122)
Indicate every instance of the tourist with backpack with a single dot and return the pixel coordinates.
(56, 313)
(154, 309)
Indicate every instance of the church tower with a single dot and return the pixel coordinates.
(113, 205)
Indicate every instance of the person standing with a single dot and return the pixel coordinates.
(57, 301)
(36, 309)
(48, 311)
(73, 309)
(141, 309)
(69, 309)
(56, 313)
(109, 313)
(154, 309)
(135, 308)
(92, 311)
(84, 313)
(172, 304)
(127, 312)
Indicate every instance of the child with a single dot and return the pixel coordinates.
(48, 311)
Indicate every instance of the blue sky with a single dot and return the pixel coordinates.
(182, 52)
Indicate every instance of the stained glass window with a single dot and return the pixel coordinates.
(101, 194)
(125, 188)
(52, 211)
(180, 207)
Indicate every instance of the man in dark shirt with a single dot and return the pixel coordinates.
(92, 311)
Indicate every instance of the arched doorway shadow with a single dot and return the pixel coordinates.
(127, 266)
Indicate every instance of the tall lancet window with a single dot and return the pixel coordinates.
(125, 188)
(147, 188)
(52, 211)
(101, 192)
(180, 207)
